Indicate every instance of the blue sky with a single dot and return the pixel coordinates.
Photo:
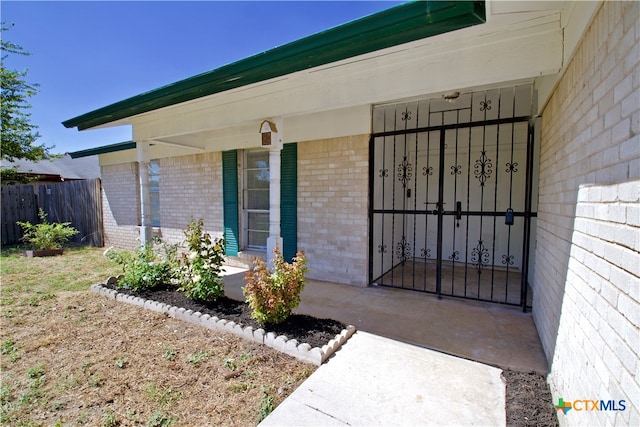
(86, 55)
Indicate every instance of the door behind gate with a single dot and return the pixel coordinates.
(450, 192)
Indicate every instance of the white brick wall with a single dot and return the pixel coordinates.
(190, 188)
(597, 350)
(332, 208)
(120, 205)
(586, 276)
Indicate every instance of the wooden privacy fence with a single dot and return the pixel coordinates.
(19, 203)
(77, 202)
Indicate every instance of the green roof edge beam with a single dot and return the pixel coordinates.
(112, 148)
(401, 24)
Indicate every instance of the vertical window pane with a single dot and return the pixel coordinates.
(155, 209)
(154, 192)
(256, 199)
(257, 230)
(258, 159)
(258, 178)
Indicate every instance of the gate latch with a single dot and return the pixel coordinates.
(438, 207)
(508, 217)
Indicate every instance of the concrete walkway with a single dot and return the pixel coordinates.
(378, 381)
(496, 335)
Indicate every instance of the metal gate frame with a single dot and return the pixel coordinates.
(527, 214)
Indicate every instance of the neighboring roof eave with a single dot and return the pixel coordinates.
(112, 148)
(398, 25)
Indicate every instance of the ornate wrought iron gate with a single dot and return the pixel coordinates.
(450, 195)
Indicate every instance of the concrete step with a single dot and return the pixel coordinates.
(244, 259)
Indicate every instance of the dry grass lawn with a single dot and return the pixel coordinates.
(71, 357)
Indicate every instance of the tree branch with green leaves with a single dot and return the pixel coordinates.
(19, 135)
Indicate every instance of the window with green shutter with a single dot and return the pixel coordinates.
(288, 200)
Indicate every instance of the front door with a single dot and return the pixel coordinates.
(450, 195)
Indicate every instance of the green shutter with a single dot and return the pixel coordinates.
(288, 200)
(230, 200)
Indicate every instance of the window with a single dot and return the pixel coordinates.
(154, 192)
(256, 199)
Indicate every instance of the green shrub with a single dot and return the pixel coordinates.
(199, 276)
(273, 294)
(145, 268)
(45, 235)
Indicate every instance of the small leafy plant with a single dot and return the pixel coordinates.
(8, 348)
(159, 419)
(109, 419)
(145, 268)
(161, 395)
(36, 371)
(169, 353)
(266, 406)
(195, 359)
(121, 362)
(199, 275)
(272, 295)
(46, 235)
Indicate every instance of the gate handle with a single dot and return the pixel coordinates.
(438, 206)
(458, 210)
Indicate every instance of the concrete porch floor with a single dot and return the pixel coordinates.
(497, 335)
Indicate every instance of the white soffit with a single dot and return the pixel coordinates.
(499, 7)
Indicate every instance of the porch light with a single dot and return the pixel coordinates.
(450, 97)
(266, 129)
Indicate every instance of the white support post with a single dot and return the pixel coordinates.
(146, 231)
(274, 240)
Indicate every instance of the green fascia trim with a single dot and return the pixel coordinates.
(401, 24)
(121, 146)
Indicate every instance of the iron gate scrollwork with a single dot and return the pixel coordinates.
(444, 230)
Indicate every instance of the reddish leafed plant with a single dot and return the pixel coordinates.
(273, 294)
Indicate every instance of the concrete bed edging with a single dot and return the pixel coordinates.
(301, 351)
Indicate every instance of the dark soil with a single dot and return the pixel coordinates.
(306, 329)
(528, 399)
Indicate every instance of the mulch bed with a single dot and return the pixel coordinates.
(306, 329)
(528, 400)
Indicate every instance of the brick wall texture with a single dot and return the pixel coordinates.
(190, 187)
(586, 282)
(332, 208)
(120, 205)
